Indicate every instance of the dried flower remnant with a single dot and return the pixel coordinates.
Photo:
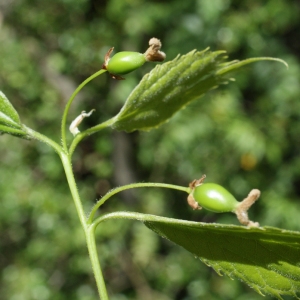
(77, 121)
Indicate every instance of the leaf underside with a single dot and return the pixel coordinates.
(9, 119)
(169, 87)
(267, 259)
(8, 115)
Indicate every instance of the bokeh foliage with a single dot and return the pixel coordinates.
(242, 136)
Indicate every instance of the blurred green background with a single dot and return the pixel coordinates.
(243, 135)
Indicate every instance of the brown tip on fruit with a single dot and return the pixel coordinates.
(107, 57)
(192, 202)
(153, 53)
(117, 77)
(241, 210)
(197, 182)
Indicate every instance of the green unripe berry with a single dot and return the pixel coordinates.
(125, 62)
(214, 197)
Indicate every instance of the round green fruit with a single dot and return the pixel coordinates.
(125, 62)
(214, 197)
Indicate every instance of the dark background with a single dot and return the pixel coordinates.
(243, 135)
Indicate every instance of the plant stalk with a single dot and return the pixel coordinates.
(89, 231)
(132, 186)
(68, 105)
(81, 135)
(92, 248)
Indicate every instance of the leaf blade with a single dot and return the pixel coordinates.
(171, 86)
(267, 260)
(14, 131)
(8, 115)
(166, 89)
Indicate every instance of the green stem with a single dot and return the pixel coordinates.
(42, 138)
(88, 230)
(136, 216)
(66, 111)
(92, 248)
(132, 186)
(11, 130)
(80, 136)
(73, 188)
(232, 66)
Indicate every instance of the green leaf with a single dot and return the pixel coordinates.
(8, 115)
(171, 86)
(14, 131)
(267, 259)
(9, 119)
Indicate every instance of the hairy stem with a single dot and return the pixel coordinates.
(67, 108)
(88, 230)
(92, 248)
(73, 188)
(133, 216)
(42, 138)
(80, 136)
(132, 186)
